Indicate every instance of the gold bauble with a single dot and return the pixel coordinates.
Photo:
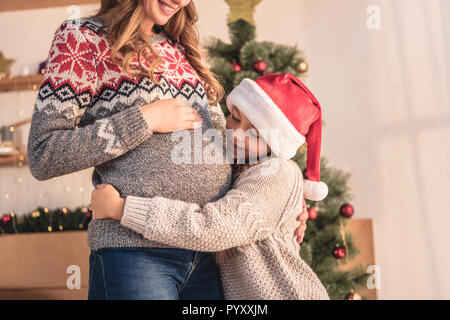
(353, 296)
(303, 66)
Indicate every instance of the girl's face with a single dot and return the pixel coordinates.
(243, 138)
(160, 11)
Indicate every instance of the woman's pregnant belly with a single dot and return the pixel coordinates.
(149, 170)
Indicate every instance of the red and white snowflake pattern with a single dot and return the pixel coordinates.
(176, 67)
(83, 57)
(71, 58)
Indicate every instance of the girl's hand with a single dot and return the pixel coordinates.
(303, 217)
(106, 203)
(170, 115)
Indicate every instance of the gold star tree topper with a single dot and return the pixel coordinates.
(5, 65)
(242, 9)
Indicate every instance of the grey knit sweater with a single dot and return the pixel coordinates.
(87, 114)
(252, 227)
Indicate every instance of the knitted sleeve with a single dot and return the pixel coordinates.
(218, 118)
(249, 212)
(56, 144)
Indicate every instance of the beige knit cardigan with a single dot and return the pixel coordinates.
(252, 226)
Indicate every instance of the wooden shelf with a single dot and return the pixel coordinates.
(21, 83)
(17, 159)
(38, 4)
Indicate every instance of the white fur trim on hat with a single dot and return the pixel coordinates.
(263, 113)
(314, 190)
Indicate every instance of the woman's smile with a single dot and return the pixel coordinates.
(167, 9)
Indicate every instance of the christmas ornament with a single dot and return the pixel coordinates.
(260, 66)
(312, 214)
(236, 66)
(6, 218)
(240, 9)
(35, 214)
(303, 67)
(5, 66)
(353, 296)
(42, 67)
(347, 210)
(339, 252)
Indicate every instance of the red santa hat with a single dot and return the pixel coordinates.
(282, 102)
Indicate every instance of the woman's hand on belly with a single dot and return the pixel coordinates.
(170, 115)
(106, 203)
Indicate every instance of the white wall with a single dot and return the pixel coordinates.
(386, 101)
(386, 105)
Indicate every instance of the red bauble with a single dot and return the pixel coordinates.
(347, 210)
(312, 214)
(6, 218)
(88, 214)
(260, 66)
(339, 252)
(236, 66)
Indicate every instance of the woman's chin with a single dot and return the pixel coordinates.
(161, 20)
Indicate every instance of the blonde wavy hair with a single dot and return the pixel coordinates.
(123, 18)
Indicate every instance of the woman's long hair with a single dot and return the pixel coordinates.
(123, 18)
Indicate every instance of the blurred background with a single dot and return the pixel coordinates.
(384, 90)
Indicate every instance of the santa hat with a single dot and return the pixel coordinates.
(283, 102)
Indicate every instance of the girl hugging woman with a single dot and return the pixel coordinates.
(251, 228)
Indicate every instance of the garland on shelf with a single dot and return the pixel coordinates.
(45, 220)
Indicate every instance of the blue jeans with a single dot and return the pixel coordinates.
(153, 274)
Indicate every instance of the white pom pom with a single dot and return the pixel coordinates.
(314, 191)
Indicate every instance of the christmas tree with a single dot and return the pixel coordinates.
(326, 245)
(245, 57)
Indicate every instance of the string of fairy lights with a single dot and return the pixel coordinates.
(46, 220)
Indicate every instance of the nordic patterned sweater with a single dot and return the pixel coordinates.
(87, 114)
(253, 225)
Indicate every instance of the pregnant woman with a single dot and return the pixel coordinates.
(251, 227)
(116, 85)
